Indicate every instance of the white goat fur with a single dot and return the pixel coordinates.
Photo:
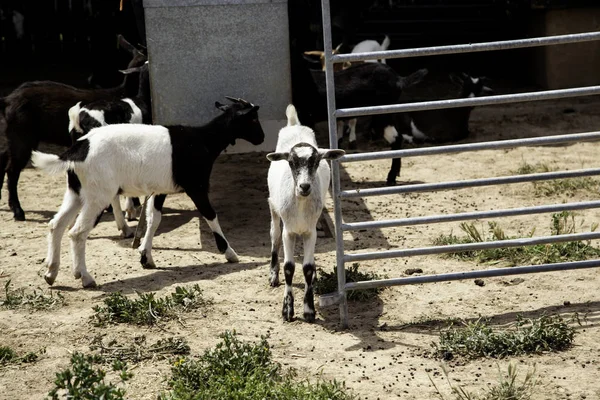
(299, 213)
(133, 158)
(369, 46)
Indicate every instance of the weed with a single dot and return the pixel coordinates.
(554, 187)
(82, 381)
(508, 388)
(478, 339)
(562, 223)
(38, 300)
(148, 310)
(242, 370)
(327, 283)
(139, 350)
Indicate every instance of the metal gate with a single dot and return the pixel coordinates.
(340, 296)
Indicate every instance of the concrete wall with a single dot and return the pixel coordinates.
(568, 65)
(203, 50)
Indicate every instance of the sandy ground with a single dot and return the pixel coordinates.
(383, 354)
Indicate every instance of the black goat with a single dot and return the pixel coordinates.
(437, 126)
(37, 112)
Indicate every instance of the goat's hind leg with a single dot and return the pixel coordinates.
(310, 274)
(153, 217)
(275, 245)
(86, 221)
(201, 201)
(64, 217)
(126, 231)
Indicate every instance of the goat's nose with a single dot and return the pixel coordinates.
(305, 187)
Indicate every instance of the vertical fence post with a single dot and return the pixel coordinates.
(335, 166)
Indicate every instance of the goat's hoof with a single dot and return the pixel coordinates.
(19, 215)
(231, 256)
(88, 282)
(274, 282)
(288, 312)
(146, 264)
(127, 233)
(309, 316)
(391, 183)
(49, 278)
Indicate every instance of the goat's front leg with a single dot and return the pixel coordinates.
(289, 243)
(78, 235)
(153, 217)
(202, 203)
(275, 245)
(310, 275)
(352, 136)
(126, 231)
(395, 141)
(64, 217)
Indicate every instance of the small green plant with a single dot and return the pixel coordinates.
(508, 387)
(567, 187)
(147, 309)
(138, 350)
(38, 300)
(241, 370)
(562, 223)
(479, 339)
(82, 381)
(9, 356)
(327, 283)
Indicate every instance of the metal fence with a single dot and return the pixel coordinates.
(340, 296)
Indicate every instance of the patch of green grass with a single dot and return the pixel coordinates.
(242, 370)
(139, 350)
(82, 381)
(529, 336)
(147, 309)
(507, 388)
(327, 283)
(567, 187)
(9, 356)
(562, 223)
(38, 300)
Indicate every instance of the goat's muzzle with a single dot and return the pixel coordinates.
(304, 189)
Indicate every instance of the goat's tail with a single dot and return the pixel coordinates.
(50, 163)
(411, 80)
(292, 115)
(386, 43)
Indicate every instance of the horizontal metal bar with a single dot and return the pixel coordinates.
(459, 148)
(433, 219)
(468, 102)
(469, 48)
(489, 273)
(455, 248)
(451, 185)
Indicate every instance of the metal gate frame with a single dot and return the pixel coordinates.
(339, 297)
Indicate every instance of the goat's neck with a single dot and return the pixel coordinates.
(130, 85)
(215, 136)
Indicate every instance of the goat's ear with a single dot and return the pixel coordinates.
(312, 58)
(337, 49)
(220, 106)
(331, 154)
(124, 44)
(130, 70)
(278, 156)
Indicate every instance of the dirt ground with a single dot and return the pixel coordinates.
(383, 354)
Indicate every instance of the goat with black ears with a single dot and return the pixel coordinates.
(298, 181)
(137, 160)
(37, 112)
(437, 126)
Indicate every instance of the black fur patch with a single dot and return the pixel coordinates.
(120, 191)
(73, 182)
(87, 123)
(77, 152)
(274, 258)
(297, 163)
(288, 272)
(221, 242)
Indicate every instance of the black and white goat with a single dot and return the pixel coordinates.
(137, 160)
(438, 126)
(37, 112)
(83, 117)
(298, 181)
(366, 84)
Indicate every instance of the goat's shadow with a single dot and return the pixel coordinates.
(162, 277)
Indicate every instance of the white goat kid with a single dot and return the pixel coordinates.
(298, 181)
